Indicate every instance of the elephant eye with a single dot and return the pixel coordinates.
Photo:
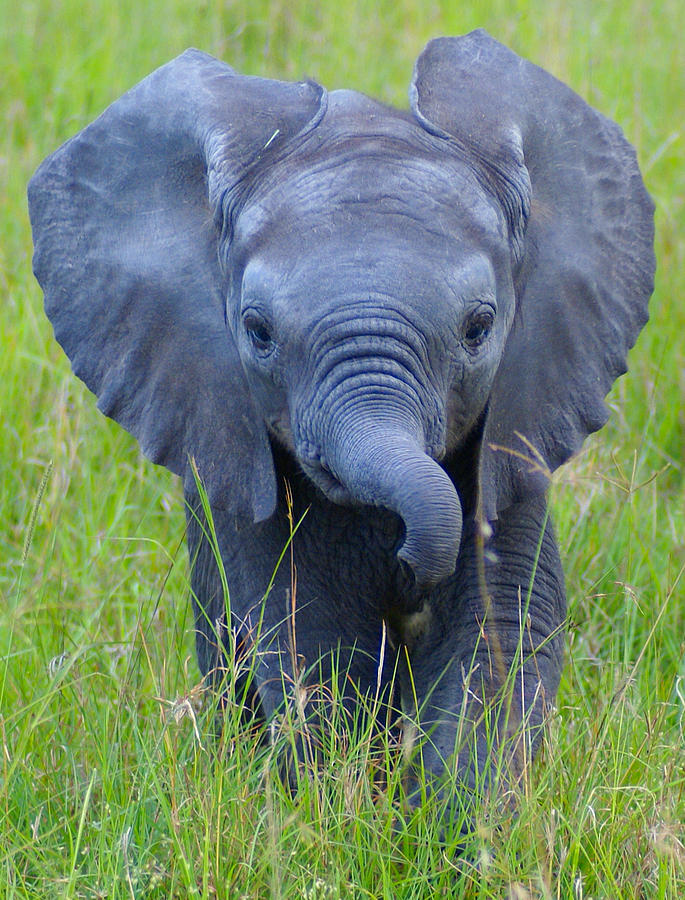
(478, 327)
(259, 334)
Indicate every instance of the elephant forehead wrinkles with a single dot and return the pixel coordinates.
(364, 182)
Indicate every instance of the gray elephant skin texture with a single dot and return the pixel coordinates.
(392, 325)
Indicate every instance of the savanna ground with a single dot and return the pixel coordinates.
(109, 786)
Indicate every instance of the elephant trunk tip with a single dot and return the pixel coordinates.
(431, 553)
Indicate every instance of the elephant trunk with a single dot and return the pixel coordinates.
(385, 466)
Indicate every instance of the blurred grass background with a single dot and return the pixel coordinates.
(103, 793)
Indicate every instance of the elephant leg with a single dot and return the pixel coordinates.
(222, 646)
(273, 649)
(478, 680)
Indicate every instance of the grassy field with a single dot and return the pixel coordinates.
(108, 787)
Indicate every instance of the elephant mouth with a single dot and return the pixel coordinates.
(327, 482)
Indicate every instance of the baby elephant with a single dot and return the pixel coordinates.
(391, 325)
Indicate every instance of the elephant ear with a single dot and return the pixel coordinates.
(127, 219)
(581, 227)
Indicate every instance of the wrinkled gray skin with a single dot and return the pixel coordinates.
(408, 318)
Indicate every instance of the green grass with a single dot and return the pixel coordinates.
(107, 784)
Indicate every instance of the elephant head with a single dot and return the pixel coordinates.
(231, 261)
(369, 297)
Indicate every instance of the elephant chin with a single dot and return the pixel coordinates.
(387, 468)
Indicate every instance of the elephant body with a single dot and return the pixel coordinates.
(358, 618)
(369, 335)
